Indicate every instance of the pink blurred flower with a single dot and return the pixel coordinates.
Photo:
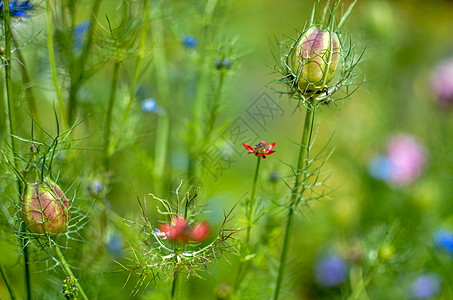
(407, 158)
(442, 82)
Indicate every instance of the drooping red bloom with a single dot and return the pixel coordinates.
(180, 231)
(260, 149)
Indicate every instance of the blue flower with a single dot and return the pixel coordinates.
(444, 239)
(150, 105)
(189, 41)
(330, 271)
(426, 286)
(380, 167)
(115, 246)
(223, 63)
(79, 33)
(18, 8)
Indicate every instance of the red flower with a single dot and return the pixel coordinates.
(261, 149)
(178, 230)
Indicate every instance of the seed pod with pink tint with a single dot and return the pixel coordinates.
(45, 208)
(314, 59)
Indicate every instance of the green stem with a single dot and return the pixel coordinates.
(26, 79)
(250, 214)
(174, 285)
(7, 64)
(12, 128)
(163, 141)
(200, 99)
(26, 265)
(251, 206)
(53, 68)
(69, 272)
(7, 282)
(79, 68)
(301, 162)
(135, 77)
(108, 120)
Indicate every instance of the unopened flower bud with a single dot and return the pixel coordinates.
(314, 59)
(45, 208)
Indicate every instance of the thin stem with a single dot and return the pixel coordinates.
(161, 68)
(79, 71)
(251, 208)
(7, 282)
(7, 64)
(108, 120)
(53, 68)
(174, 285)
(135, 77)
(200, 99)
(25, 79)
(69, 272)
(250, 214)
(12, 128)
(294, 196)
(26, 265)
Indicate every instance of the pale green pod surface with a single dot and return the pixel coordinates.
(314, 59)
(45, 208)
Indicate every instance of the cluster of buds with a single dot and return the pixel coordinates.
(70, 289)
(180, 231)
(45, 208)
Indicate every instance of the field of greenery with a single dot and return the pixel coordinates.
(215, 149)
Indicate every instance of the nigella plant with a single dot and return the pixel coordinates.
(316, 67)
(319, 63)
(181, 246)
(44, 219)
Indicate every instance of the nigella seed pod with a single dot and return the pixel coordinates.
(45, 208)
(314, 59)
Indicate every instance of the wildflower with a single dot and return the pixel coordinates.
(18, 8)
(150, 106)
(407, 158)
(275, 176)
(180, 231)
(260, 149)
(403, 162)
(189, 41)
(444, 240)
(95, 187)
(426, 286)
(314, 60)
(330, 271)
(379, 167)
(79, 33)
(45, 208)
(223, 292)
(442, 83)
(223, 63)
(70, 289)
(115, 245)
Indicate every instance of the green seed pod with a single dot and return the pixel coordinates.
(45, 208)
(314, 59)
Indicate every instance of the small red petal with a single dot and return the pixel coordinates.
(263, 142)
(200, 232)
(248, 147)
(270, 152)
(271, 146)
(260, 154)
